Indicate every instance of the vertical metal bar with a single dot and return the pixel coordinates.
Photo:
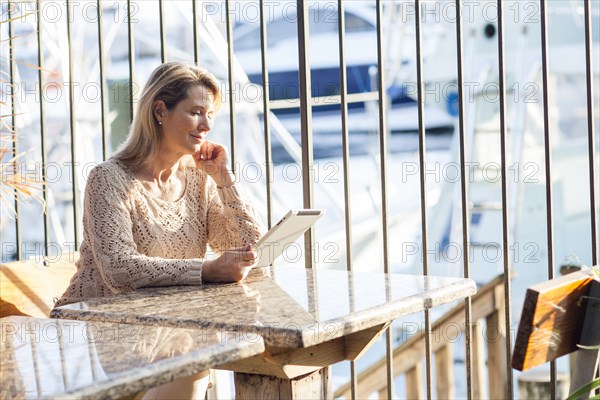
(352, 298)
(40, 60)
(105, 143)
(266, 113)
(312, 292)
(383, 175)
(382, 136)
(72, 130)
(353, 381)
(13, 111)
(230, 66)
(161, 17)
(195, 32)
(548, 167)
(464, 194)
(422, 150)
(591, 129)
(131, 55)
(346, 161)
(548, 147)
(345, 137)
(305, 122)
(505, 204)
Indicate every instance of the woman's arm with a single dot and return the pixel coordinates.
(232, 221)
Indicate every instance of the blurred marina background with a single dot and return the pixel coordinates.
(83, 127)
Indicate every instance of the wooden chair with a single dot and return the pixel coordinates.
(31, 287)
(558, 315)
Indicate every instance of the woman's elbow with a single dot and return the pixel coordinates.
(117, 281)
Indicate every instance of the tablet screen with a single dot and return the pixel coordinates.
(284, 233)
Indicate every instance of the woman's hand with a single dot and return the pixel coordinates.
(232, 266)
(214, 160)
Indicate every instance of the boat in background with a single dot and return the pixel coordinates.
(361, 69)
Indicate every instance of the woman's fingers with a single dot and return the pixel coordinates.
(203, 153)
(243, 254)
(232, 266)
(212, 158)
(209, 151)
(246, 257)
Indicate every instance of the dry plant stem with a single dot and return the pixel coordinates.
(14, 185)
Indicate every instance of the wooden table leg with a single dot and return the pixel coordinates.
(315, 385)
(298, 373)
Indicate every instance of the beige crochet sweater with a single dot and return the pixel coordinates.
(133, 239)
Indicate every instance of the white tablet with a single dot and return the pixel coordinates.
(287, 231)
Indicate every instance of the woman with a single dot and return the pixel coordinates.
(151, 210)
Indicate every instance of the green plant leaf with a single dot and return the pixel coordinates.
(585, 389)
(596, 347)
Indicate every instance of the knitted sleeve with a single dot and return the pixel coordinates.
(107, 224)
(232, 221)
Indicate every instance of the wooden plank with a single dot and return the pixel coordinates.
(414, 382)
(358, 343)
(495, 338)
(551, 320)
(31, 287)
(296, 361)
(478, 365)
(262, 364)
(444, 372)
(291, 363)
(586, 360)
(312, 386)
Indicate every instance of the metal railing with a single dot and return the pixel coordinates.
(408, 356)
(13, 11)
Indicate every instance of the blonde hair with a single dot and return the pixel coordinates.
(169, 82)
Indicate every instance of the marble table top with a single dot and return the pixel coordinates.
(50, 358)
(295, 307)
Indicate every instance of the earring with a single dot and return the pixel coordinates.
(160, 122)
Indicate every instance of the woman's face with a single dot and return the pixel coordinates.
(187, 124)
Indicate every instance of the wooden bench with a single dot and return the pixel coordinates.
(559, 316)
(31, 287)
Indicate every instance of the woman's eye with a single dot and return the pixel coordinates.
(199, 114)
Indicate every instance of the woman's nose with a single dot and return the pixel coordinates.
(204, 123)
